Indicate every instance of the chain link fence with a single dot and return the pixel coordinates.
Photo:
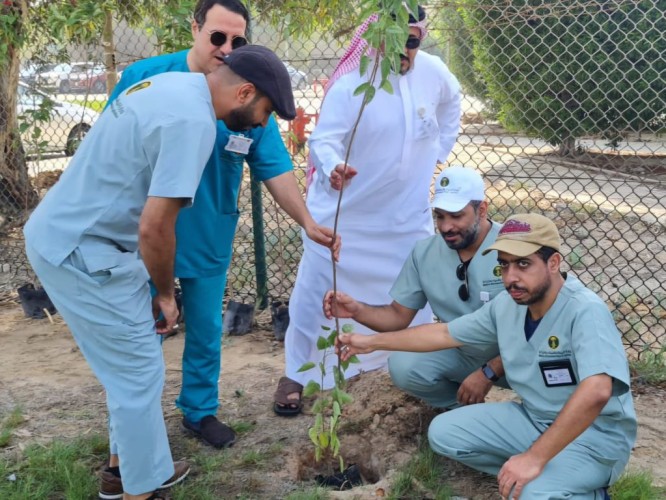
(564, 113)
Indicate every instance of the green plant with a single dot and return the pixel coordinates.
(635, 485)
(421, 477)
(324, 435)
(650, 365)
(57, 470)
(603, 70)
(386, 37)
(9, 423)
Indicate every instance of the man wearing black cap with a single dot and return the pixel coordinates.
(108, 226)
(206, 231)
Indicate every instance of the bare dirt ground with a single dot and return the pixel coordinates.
(42, 371)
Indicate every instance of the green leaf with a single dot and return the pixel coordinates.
(313, 436)
(354, 359)
(335, 445)
(361, 88)
(319, 424)
(345, 398)
(326, 328)
(307, 366)
(311, 388)
(347, 328)
(319, 406)
(322, 343)
(324, 440)
(332, 337)
(337, 410)
(365, 62)
(370, 93)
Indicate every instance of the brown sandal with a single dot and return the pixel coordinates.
(283, 406)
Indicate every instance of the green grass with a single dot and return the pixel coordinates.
(58, 470)
(421, 478)
(8, 424)
(67, 470)
(636, 485)
(651, 367)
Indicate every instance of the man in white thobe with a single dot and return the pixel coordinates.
(385, 205)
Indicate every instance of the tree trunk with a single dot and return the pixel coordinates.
(109, 48)
(17, 194)
(568, 147)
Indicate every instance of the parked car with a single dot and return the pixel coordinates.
(63, 130)
(299, 80)
(87, 77)
(54, 77)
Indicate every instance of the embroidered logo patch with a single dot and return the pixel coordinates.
(553, 342)
(497, 271)
(444, 182)
(514, 226)
(137, 87)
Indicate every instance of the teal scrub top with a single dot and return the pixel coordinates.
(137, 148)
(578, 330)
(206, 230)
(429, 275)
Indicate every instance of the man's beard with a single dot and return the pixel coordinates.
(532, 298)
(468, 237)
(404, 58)
(240, 119)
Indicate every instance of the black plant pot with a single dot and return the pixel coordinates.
(280, 318)
(344, 480)
(238, 318)
(34, 301)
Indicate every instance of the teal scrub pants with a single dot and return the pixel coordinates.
(110, 316)
(202, 355)
(485, 436)
(435, 377)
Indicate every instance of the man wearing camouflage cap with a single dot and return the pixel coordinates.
(572, 434)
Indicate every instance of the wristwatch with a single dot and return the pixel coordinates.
(489, 373)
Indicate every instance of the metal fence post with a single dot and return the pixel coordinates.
(259, 244)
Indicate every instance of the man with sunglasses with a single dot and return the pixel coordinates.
(205, 231)
(448, 272)
(384, 209)
(571, 434)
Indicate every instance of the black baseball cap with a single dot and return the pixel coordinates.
(261, 67)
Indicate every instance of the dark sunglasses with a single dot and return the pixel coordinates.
(461, 274)
(413, 42)
(219, 38)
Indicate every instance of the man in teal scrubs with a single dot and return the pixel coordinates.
(448, 272)
(205, 231)
(108, 226)
(572, 434)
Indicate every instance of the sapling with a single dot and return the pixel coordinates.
(386, 37)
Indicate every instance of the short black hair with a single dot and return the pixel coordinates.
(475, 204)
(420, 12)
(203, 6)
(546, 253)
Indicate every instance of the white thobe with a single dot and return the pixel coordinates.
(385, 207)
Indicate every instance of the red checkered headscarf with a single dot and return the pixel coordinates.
(350, 61)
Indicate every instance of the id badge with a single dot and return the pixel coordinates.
(238, 144)
(557, 373)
